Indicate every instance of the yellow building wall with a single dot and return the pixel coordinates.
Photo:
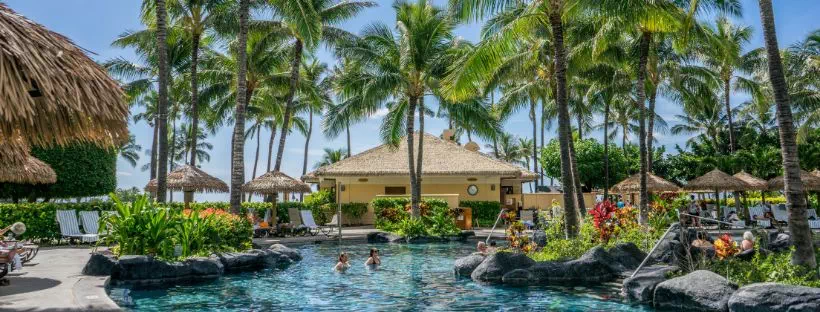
(543, 201)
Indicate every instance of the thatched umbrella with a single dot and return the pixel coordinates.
(816, 172)
(274, 182)
(190, 179)
(716, 181)
(17, 166)
(754, 184)
(653, 184)
(51, 91)
(810, 182)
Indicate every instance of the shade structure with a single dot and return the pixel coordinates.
(653, 184)
(18, 166)
(816, 172)
(191, 179)
(754, 183)
(274, 182)
(51, 91)
(716, 180)
(810, 182)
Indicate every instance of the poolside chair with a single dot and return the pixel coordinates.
(331, 226)
(310, 225)
(90, 221)
(759, 211)
(813, 223)
(781, 214)
(295, 225)
(527, 218)
(70, 227)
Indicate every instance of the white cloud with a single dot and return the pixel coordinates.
(124, 174)
(381, 112)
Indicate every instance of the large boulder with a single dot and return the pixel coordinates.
(205, 267)
(287, 253)
(641, 287)
(100, 265)
(149, 270)
(517, 277)
(241, 261)
(383, 237)
(594, 267)
(465, 266)
(775, 297)
(627, 255)
(493, 268)
(697, 291)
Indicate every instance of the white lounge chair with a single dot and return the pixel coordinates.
(70, 227)
(527, 218)
(90, 221)
(813, 224)
(331, 226)
(307, 221)
(759, 211)
(781, 214)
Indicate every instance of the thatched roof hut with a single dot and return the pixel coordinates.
(441, 158)
(716, 180)
(754, 183)
(274, 182)
(810, 182)
(653, 184)
(17, 166)
(52, 92)
(190, 179)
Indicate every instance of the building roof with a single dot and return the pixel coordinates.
(441, 158)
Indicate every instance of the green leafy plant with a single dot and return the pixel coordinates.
(773, 267)
(440, 221)
(354, 210)
(412, 227)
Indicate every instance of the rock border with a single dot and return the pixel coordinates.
(387, 237)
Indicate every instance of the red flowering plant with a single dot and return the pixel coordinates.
(519, 241)
(726, 247)
(602, 219)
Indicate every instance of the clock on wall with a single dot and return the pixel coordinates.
(472, 189)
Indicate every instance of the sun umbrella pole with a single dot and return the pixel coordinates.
(339, 209)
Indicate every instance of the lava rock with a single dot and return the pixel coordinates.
(289, 253)
(591, 268)
(466, 265)
(641, 287)
(205, 267)
(383, 237)
(517, 277)
(775, 297)
(539, 238)
(493, 268)
(697, 291)
(241, 261)
(628, 255)
(100, 265)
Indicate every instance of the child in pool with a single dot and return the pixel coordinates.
(343, 265)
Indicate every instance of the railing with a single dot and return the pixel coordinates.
(494, 224)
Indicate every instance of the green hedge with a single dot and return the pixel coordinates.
(484, 212)
(354, 210)
(390, 212)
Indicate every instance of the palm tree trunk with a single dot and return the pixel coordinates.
(294, 81)
(646, 39)
(726, 94)
(270, 146)
(347, 129)
(650, 128)
(543, 143)
(173, 151)
(570, 214)
(410, 124)
(606, 150)
(258, 143)
(798, 222)
(154, 153)
(238, 143)
(307, 145)
(420, 156)
(194, 98)
(576, 179)
(162, 109)
(580, 121)
(534, 139)
(623, 139)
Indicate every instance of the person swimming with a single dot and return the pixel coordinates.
(373, 260)
(343, 264)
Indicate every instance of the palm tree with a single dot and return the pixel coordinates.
(400, 69)
(183, 145)
(130, 151)
(315, 72)
(309, 22)
(509, 150)
(238, 142)
(162, 106)
(706, 120)
(526, 146)
(331, 156)
(722, 52)
(798, 222)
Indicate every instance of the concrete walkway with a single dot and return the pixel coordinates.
(53, 282)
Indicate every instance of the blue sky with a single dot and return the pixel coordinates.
(94, 24)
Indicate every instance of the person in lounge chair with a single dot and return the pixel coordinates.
(732, 217)
(373, 261)
(343, 264)
(767, 215)
(748, 241)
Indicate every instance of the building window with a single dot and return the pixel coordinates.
(395, 190)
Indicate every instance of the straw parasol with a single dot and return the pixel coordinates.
(52, 92)
(17, 166)
(274, 182)
(810, 182)
(653, 184)
(816, 172)
(191, 179)
(716, 180)
(753, 183)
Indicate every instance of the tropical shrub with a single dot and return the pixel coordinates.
(354, 210)
(518, 240)
(321, 205)
(440, 221)
(771, 267)
(725, 247)
(392, 216)
(411, 227)
(484, 212)
(603, 219)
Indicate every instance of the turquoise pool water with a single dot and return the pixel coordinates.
(411, 278)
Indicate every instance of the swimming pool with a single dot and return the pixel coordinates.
(411, 278)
